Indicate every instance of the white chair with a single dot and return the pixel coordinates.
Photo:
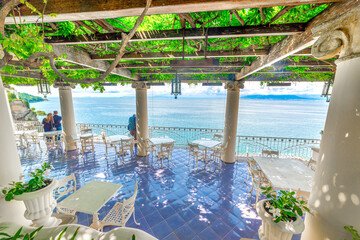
(125, 146)
(107, 142)
(258, 178)
(150, 149)
(65, 186)
(218, 153)
(195, 152)
(270, 153)
(121, 212)
(165, 151)
(87, 142)
(33, 139)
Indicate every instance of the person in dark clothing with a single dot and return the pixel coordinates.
(48, 123)
(57, 121)
(132, 126)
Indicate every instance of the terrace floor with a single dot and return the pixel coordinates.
(174, 202)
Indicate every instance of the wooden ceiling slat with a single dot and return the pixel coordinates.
(191, 33)
(78, 10)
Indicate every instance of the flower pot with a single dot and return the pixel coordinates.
(40, 205)
(269, 230)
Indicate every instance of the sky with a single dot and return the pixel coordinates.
(190, 91)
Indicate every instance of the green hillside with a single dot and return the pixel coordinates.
(30, 98)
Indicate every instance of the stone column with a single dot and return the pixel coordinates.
(141, 116)
(68, 115)
(10, 166)
(335, 196)
(231, 119)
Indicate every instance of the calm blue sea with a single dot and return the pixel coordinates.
(303, 118)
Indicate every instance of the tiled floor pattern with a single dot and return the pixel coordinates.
(174, 202)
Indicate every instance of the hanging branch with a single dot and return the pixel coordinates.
(281, 13)
(235, 12)
(51, 56)
(263, 17)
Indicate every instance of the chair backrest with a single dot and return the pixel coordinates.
(167, 146)
(103, 136)
(218, 137)
(269, 153)
(86, 130)
(65, 186)
(193, 147)
(128, 204)
(126, 142)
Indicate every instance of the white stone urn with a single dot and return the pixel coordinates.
(269, 230)
(40, 205)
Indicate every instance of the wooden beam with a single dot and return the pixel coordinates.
(210, 54)
(228, 70)
(31, 75)
(77, 10)
(292, 44)
(76, 56)
(190, 33)
(284, 63)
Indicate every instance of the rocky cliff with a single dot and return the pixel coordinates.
(20, 111)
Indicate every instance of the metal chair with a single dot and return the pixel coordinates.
(121, 212)
(258, 178)
(33, 139)
(218, 153)
(125, 146)
(150, 148)
(107, 142)
(195, 152)
(165, 151)
(65, 186)
(270, 153)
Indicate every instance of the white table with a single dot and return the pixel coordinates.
(286, 174)
(161, 140)
(118, 138)
(52, 133)
(91, 198)
(206, 143)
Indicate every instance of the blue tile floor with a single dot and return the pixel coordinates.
(173, 202)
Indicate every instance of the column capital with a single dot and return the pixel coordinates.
(140, 85)
(234, 85)
(62, 85)
(340, 35)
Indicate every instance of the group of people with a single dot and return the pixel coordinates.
(52, 122)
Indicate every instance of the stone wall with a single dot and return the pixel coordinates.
(21, 112)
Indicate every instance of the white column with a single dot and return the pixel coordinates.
(141, 116)
(335, 196)
(231, 119)
(68, 116)
(10, 166)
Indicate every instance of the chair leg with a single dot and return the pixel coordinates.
(135, 219)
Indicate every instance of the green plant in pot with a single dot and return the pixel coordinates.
(281, 214)
(37, 195)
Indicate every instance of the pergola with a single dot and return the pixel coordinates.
(208, 41)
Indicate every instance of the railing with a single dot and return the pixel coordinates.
(288, 147)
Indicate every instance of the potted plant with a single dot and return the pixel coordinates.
(37, 195)
(281, 215)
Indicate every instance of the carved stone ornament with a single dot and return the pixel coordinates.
(140, 85)
(339, 36)
(330, 44)
(234, 85)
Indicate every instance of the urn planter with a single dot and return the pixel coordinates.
(40, 205)
(269, 230)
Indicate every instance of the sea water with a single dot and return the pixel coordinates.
(298, 118)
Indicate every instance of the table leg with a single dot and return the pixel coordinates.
(96, 223)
